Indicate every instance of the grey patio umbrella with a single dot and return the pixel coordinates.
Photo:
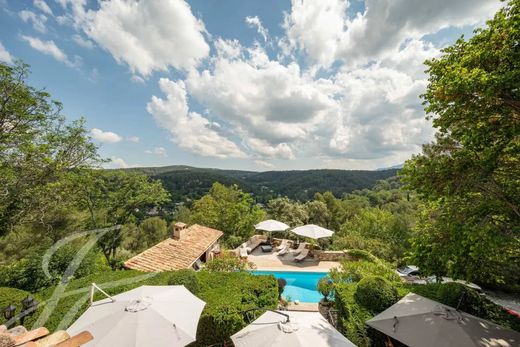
(145, 316)
(312, 231)
(303, 329)
(417, 321)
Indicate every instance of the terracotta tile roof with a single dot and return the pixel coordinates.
(172, 254)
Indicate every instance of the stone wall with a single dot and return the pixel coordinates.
(331, 255)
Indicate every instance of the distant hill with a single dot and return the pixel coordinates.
(187, 183)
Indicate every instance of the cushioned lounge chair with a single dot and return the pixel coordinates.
(303, 254)
(282, 245)
(300, 248)
(283, 251)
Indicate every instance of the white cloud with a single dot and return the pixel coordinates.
(264, 164)
(105, 136)
(271, 106)
(138, 79)
(161, 151)
(190, 130)
(148, 35)
(133, 139)
(81, 41)
(323, 30)
(50, 48)
(42, 6)
(316, 27)
(255, 22)
(37, 20)
(5, 56)
(117, 163)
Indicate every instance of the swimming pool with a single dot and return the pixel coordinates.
(300, 285)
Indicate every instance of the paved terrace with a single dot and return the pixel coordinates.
(272, 262)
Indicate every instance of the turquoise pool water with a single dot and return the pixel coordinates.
(300, 285)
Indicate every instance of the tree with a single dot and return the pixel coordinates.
(377, 231)
(228, 209)
(287, 211)
(37, 147)
(469, 175)
(150, 232)
(112, 198)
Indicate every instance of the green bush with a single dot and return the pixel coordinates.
(376, 294)
(354, 271)
(187, 278)
(227, 296)
(351, 315)
(13, 296)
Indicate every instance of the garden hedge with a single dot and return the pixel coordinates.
(376, 294)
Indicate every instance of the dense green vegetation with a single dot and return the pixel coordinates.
(469, 176)
(187, 184)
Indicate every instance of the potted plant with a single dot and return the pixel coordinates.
(325, 287)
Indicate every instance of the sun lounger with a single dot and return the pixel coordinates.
(300, 248)
(242, 252)
(282, 245)
(283, 251)
(303, 254)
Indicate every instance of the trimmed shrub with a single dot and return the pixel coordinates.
(376, 294)
(13, 296)
(227, 296)
(187, 278)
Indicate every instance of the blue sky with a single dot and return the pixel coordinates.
(261, 85)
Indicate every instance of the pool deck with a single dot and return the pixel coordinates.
(271, 262)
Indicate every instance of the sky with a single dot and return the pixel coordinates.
(242, 84)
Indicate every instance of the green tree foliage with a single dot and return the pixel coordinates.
(37, 147)
(290, 212)
(112, 198)
(378, 231)
(470, 174)
(228, 209)
(150, 232)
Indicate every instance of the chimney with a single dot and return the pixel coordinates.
(179, 230)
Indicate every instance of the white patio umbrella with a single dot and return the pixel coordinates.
(303, 329)
(312, 231)
(145, 316)
(271, 225)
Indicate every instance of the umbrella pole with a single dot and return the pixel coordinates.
(92, 290)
